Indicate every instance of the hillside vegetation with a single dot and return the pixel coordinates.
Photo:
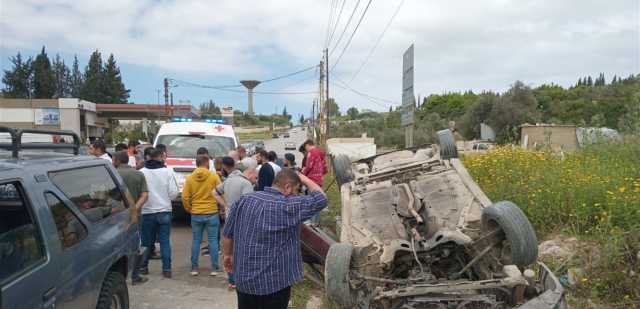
(590, 102)
(593, 194)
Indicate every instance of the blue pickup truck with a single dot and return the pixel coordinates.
(67, 229)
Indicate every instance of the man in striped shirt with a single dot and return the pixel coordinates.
(261, 241)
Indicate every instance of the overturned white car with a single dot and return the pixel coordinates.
(417, 232)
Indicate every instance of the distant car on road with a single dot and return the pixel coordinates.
(286, 135)
(259, 145)
(67, 232)
(289, 146)
(274, 135)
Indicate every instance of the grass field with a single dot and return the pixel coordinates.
(593, 194)
(258, 136)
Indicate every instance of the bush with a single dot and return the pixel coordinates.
(593, 194)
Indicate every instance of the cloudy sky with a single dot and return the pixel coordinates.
(459, 45)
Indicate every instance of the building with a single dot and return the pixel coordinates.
(74, 115)
(87, 119)
(553, 136)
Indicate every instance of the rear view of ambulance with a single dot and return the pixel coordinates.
(183, 139)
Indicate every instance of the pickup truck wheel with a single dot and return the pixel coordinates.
(336, 275)
(517, 231)
(447, 143)
(342, 170)
(114, 293)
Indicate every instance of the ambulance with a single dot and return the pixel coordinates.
(183, 137)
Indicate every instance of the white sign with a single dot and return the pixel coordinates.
(227, 111)
(46, 116)
(408, 99)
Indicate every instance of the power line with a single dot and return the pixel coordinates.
(330, 21)
(346, 26)
(352, 35)
(337, 23)
(288, 75)
(377, 100)
(377, 42)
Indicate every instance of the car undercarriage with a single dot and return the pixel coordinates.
(417, 232)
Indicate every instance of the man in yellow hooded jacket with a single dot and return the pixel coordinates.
(197, 199)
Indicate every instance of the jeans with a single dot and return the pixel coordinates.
(200, 223)
(277, 300)
(157, 224)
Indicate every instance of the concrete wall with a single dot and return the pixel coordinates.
(559, 137)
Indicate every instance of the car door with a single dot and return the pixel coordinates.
(94, 194)
(76, 288)
(28, 272)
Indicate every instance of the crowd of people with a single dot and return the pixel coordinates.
(257, 204)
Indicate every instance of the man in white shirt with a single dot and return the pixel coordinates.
(268, 157)
(99, 149)
(156, 212)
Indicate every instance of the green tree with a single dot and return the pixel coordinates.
(17, 80)
(44, 80)
(301, 119)
(61, 73)
(332, 108)
(92, 88)
(75, 79)
(516, 107)
(210, 109)
(284, 111)
(114, 89)
(353, 113)
(479, 112)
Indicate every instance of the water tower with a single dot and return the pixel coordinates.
(250, 84)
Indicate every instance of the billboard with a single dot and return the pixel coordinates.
(46, 116)
(408, 104)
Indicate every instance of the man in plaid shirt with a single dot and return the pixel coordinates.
(261, 241)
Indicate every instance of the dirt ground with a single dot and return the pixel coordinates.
(183, 291)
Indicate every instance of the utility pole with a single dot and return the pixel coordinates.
(171, 109)
(326, 63)
(166, 95)
(313, 114)
(322, 107)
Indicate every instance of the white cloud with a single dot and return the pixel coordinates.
(459, 44)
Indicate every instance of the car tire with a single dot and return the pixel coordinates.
(447, 143)
(114, 293)
(517, 229)
(336, 275)
(342, 170)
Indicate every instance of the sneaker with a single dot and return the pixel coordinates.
(214, 273)
(144, 271)
(194, 273)
(139, 280)
(155, 256)
(166, 274)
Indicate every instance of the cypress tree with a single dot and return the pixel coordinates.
(44, 80)
(61, 74)
(75, 79)
(589, 81)
(17, 81)
(92, 89)
(114, 89)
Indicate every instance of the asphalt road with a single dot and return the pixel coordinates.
(296, 135)
(182, 291)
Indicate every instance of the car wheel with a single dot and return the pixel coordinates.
(447, 144)
(518, 232)
(342, 170)
(336, 275)
(114, 293)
